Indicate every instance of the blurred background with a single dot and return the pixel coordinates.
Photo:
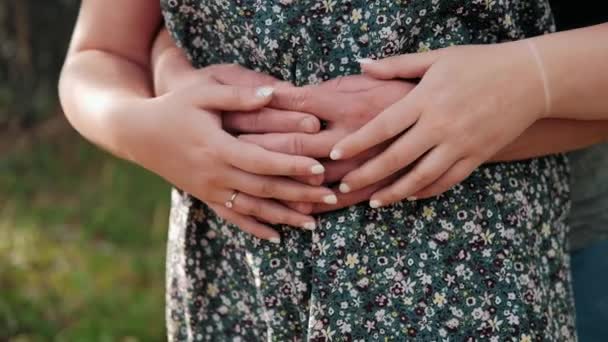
(82, 234)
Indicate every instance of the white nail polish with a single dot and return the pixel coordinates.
(412, 198)
(330, 199)
(375, 204)
(317, 169)
(344, 188)
(335, 154)
(309, 226)
(264, 91)
(365, 60)
(275, 240)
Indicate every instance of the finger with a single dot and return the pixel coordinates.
(310, 180)
(456, 174)
(353, 198)
(412, 65)
(277, 188)
(271, 212)
(255, 159)
(268, 120)
(300, 144)
(247, 224)
(338, 169)
(394, 120)
(426, 171)
(355, 84)
(230, 98)
(234, 74)
(327, 105)
(400, 154)
(301, 207)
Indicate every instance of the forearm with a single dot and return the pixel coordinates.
(107, 69)
(576, 68)
(92, 87)
(550, 136)
(169, 63)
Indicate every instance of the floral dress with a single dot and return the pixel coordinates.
(485, 261)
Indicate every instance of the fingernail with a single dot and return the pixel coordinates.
(275, 240)
(335, 154)
(309, 226)
(344, 188)
(308, 125)
(412, 198)
(317, 169)
(330, 199)
(375, 204)
(365, 61)
(264, 91)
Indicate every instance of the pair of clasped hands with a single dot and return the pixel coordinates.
(384, 139)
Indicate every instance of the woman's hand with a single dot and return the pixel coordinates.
(179, 136)
(470, 103)
(173, 71)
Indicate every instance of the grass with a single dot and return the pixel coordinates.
(82, 244)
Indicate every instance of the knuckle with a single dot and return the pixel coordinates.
(268, 189)
(255, 209)
(237, 94)
(391, 196)
(419, 177)
(256, 121)
(300, 98)
(292, 167)
(459, 175)
(278, 218)
(296, 145)
(392, 162)
(388, 129)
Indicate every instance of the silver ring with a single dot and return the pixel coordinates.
(230, 203)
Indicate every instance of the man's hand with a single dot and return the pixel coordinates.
(345, 104)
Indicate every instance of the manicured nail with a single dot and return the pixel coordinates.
(344, 188)
(264, 91)
(335, 155)
(309, 226)
(330, 199)
(365, 60)
(275, 240)
(375, 204)
(308, 125)
(412, 198)
(317, 169)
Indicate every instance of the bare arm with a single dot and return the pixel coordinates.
(550, 136)
(101, 70)
(576, 72)
(107, 94)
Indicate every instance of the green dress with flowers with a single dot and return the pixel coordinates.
(486, 261)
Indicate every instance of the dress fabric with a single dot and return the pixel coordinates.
(486, 261)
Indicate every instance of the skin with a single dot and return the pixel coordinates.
(444, 129)
(108, 96)
(514, 137)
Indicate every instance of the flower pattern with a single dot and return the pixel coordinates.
(486, 260)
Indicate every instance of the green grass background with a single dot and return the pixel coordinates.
(82, 245)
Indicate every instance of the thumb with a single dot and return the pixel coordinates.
(236, 75)
(233, 98)
(413, 65)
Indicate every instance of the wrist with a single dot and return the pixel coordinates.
(127, 128)
(169, 70)
(530, 84)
